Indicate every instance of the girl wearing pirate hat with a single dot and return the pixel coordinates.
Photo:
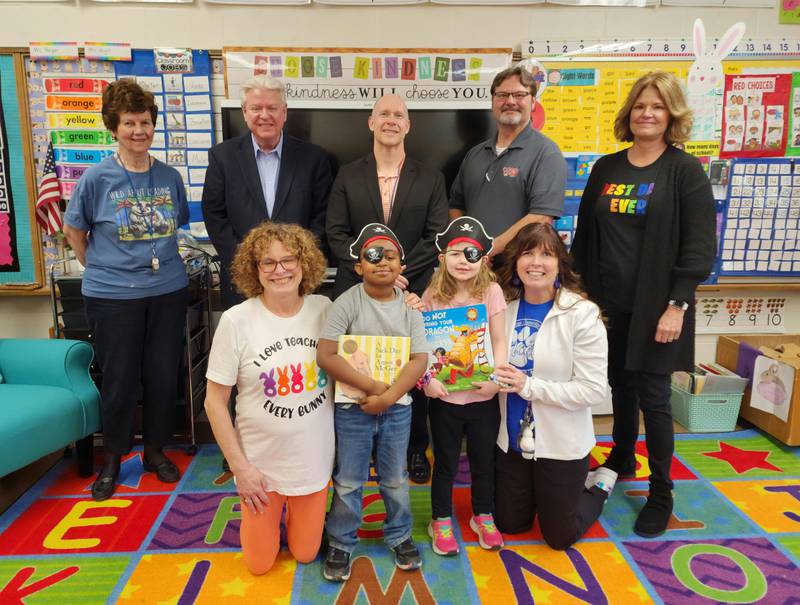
(464, 279)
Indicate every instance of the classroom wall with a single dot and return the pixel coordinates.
(214, 26)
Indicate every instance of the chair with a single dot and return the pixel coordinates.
(47, 401)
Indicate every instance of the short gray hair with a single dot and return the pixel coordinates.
(262, 83)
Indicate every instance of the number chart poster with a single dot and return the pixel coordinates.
(184, 129)
(755, 116)
(740, 314)
(456, 78)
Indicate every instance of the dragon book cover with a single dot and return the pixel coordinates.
(460, 344)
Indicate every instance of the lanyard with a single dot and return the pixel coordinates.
(154, 263)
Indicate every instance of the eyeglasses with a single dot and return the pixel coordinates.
(518, 96)
(269, 266)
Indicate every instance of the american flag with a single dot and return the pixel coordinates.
(48, 215)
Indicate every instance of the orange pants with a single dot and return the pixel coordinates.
(260, 534)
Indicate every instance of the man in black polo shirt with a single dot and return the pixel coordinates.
(517, 177)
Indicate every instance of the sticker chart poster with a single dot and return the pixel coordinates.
(358, 77)
(460, 346)
(66, 99)
(185, 125)
(760, 232)
(9, 259)
(755, 115)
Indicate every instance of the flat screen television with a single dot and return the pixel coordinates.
(438, 137)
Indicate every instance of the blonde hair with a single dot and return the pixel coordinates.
(300, 242)
(670, 91)
(444, 287)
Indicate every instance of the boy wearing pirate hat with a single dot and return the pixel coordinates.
(383, 417)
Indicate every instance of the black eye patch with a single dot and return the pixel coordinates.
(472, 254)
(374, 255)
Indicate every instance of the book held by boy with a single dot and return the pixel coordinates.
(459, 342)
(381, 357)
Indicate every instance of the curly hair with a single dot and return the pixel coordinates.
(123, 96)
(530, 237)
(297, 240)
(670, 91)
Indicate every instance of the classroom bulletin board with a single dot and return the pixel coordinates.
(20, 244)
(581, 100)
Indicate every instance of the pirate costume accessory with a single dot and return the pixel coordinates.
(469, 230)
(371, 233)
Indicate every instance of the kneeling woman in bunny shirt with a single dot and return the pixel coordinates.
(281, 449)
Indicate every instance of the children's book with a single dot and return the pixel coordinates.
(381, 357)
(461, 347)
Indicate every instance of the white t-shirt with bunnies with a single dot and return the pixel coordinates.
(284, 405)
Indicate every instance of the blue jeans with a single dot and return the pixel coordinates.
(356, 432)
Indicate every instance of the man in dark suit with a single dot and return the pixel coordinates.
(262, 175)
(388, 187)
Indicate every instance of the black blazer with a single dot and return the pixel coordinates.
(233, 200)
(418, 214)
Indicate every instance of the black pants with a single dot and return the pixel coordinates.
(632, 391)
(480, 422)
(419, 439)
(553, 490)
(139, 346)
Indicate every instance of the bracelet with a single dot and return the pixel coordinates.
(424, 380)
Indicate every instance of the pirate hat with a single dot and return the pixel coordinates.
(465, 229)
(370, 233)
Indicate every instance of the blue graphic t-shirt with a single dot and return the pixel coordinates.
(125, 224)
(529, 320)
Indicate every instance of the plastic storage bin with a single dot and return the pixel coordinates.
(712, 413)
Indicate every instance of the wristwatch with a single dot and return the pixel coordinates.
(679, 304)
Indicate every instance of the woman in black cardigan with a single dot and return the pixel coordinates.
(645, 240)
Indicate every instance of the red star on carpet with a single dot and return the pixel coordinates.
(743, 460)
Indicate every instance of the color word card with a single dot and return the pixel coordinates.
(66, 98)
(726, 314)
(760, 231)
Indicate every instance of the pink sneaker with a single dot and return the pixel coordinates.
(488, 534)
(442, 539)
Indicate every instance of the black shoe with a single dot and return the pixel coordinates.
(654, 517)
(165, 470)
(337, 565)
(226, 468)
(419, 469)
(106, 483)
(406, 556)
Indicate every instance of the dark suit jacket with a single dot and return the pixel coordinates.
(419, 213)
(233, 199)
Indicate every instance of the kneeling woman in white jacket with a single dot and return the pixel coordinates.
(558, 357)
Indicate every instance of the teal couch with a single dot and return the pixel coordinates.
(47, 401)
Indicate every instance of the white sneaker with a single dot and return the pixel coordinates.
(603, 477)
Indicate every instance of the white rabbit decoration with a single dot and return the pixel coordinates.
(706, 72)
